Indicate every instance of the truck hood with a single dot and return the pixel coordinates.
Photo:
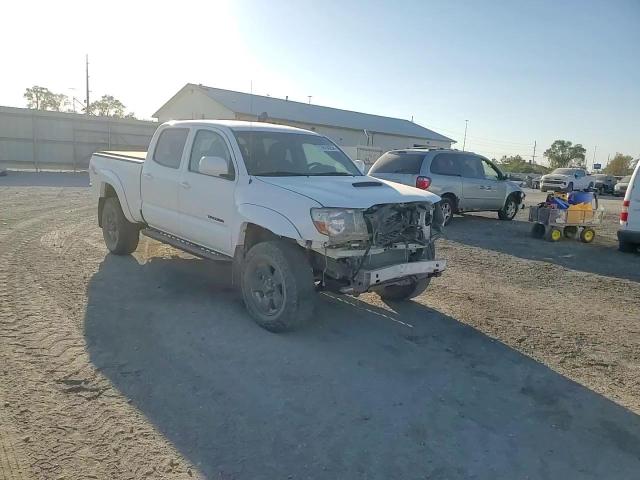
(351, 192)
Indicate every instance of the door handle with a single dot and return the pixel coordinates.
(482, 187)
(185, 185)
(147, 175)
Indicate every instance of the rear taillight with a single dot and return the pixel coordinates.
(624, 214)
(423, 183)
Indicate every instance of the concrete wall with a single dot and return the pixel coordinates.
(53, 140)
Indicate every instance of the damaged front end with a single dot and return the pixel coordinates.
(382, 245)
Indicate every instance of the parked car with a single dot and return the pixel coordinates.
(567, 180)
(604, 183)
(621, 187)
(466, 181)
(286, 206)
(629, 232)
(532, 180)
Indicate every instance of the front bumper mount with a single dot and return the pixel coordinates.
(366, 279)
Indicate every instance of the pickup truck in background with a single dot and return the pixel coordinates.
(567, 180)
(291, 211)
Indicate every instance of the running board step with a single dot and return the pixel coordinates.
(185, 245)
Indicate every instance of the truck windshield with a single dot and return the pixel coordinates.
(279, 154)
(565, 171)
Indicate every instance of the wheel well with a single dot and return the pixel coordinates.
(250, 236)
(516, 196)
(254, 234)
(453, 198)
(109, 191)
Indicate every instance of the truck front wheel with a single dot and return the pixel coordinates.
(120, 235)
(404, 292)
(277, 285)
(414, 288)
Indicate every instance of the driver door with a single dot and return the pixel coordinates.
(495, 188)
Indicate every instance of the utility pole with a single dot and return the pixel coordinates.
(533, 158)
(464, 142)
(593, 161)
(87, 99)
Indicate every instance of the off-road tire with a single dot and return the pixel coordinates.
(505, 213)
(120, 235)
(398, 293)
(298, 289)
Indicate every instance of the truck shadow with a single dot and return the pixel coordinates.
(362, 392)
(514, 238)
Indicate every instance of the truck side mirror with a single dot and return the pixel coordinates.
(213, 166)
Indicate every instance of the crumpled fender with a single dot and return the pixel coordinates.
(267, 218)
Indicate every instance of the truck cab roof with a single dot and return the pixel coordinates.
(240, 125)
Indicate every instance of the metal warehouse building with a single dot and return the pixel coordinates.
(362, 136)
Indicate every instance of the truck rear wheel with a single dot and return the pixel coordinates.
(277, 286)
(120, 235)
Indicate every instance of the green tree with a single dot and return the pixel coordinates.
(515, 163)
(41, 98)
(107, 106)
(620, 165)
(563, 153)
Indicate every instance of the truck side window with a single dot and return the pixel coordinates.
(170, 146)
(210, 144)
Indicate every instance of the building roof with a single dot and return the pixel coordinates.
(276, 108)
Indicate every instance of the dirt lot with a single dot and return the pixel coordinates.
(522, 361)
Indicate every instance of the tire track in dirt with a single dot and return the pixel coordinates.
(75, 423)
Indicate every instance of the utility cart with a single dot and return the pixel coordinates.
(555, 223)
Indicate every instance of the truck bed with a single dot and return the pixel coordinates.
(121, 170)
(123, 155)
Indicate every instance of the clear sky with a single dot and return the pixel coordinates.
(519, 71)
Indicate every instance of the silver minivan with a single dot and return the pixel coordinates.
(466, 181)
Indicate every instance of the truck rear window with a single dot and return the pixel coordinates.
(393, 162)
(170, 146)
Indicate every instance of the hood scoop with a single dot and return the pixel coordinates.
(366, 184)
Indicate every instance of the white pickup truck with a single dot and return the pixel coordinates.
(567, 180)
(291, 211)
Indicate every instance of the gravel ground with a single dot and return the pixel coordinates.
(521, 361)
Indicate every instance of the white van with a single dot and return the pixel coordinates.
(629, 233)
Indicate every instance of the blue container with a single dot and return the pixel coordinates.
(580, 197)
(559, 203)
